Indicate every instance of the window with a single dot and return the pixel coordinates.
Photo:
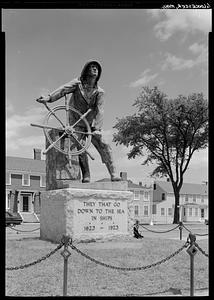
(186, 198)
(26, 179)
(146, 195)
(190, 211)
(162, 211)
(169, 211)
(136, 195)
(202, 199)
(184, 211)
(194, 198)
(163, 197)
(42, 181)
(154, 209)
(202, 213)
(136, 210)
(146, 210)
(8, 178)
(196, 212)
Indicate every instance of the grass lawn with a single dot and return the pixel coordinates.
(85, 278)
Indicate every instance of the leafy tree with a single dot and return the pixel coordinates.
(167, 131)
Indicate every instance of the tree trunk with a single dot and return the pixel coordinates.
(177, 207)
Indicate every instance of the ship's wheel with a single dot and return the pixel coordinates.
(68, 124)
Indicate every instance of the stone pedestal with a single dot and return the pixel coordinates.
(58, 171)
(87, 213)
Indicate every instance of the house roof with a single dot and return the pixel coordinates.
(25, 164)
(131, 185)
(187, 188)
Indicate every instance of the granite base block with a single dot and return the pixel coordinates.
(86, 214)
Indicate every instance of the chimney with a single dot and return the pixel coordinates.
(140, 183)
(123, 176)
(37, 154)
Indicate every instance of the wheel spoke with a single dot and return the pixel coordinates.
(76, 134)
(78, 142)
(54, 143)
(83, 132)
(46, 127)
(69, 151)
(82, 117)
(67, 110)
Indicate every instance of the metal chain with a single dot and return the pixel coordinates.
(159, 231)
(200, 249)
(129, 268)
(23, 230)
(200, 234)
(38, 260)
(186, 228)
(195, 233)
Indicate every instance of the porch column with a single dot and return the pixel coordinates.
(18, 201)
(33, 202)
(7, 199)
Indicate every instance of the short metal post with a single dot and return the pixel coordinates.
(192, 251)
(180, 228)
(191, 275)
(65, 253)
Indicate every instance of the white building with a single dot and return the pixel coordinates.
(193, 202)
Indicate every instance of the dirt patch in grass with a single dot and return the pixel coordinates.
(86, 278)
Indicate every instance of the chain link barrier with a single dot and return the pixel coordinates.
(18, 230)
(128, 268)
(36, 261)
(159, 231)
(198, 234)
(190, 244)
(201, 250)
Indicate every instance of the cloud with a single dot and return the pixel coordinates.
(184, 20)
(201, 50)
(178, 63)
(144, 79)
(16, 123)
(196, 48)
(18, 131)
(13, 144)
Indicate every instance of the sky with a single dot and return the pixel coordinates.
(46, 48)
